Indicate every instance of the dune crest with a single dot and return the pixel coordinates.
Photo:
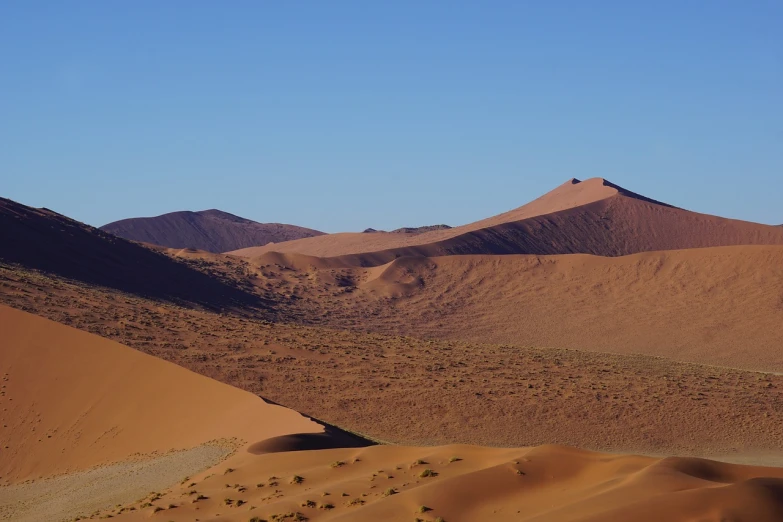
(593, 216)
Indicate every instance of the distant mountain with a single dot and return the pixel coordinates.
(210, 230)
(41, 239)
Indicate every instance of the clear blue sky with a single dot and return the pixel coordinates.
(346, 115)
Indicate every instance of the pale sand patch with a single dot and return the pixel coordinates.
(84, 492)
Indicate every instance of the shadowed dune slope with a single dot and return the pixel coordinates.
(719, 306)
(210, 230)
(469, 483)
(44, 240)
(589, 217)
(72, 400)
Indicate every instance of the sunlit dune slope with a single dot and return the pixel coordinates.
(469, 483)
(72, 400)
(715, 305)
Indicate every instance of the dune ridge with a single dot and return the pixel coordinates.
(588, 217)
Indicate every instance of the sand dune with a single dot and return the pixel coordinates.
(72, 400)
(720, 306)
(96, 423)
(210, 230)
(589, 217)
(415, 391)
(468, 483)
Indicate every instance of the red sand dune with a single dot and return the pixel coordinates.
(469, 483)
(720, 306)
(72, 400)
(589, 217)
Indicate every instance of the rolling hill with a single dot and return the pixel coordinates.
(209, 230)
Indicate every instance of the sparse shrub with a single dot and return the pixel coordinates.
(296, 479)
(309, 504)
(454, 459)
(327, 506)
(228, 470)
(428, 473)
(338, 464)
(424, 509)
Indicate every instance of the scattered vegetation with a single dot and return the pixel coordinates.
(295, 517)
